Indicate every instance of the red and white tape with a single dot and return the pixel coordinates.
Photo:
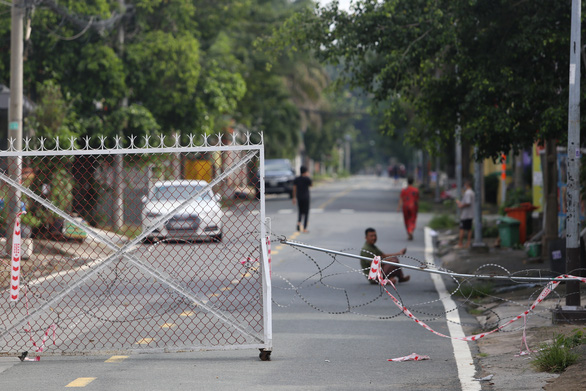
(15, 264)
(376, 274)
(544, 293)
(269, 254)
(39, 349)
(411, 357)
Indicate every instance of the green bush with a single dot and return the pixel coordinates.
(425, 207)
(474, 291)
(443, 221)
(555, 358)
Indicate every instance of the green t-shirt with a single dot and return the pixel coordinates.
(368, 250)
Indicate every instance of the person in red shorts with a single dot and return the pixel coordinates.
(409, 203)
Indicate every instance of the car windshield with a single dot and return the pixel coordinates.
(179, 193)
(277, 166)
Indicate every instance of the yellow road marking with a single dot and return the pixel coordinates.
(226, 288)
(168, 325)
(342, 194)
(187, 313)
(116, 358)
(247, 275)
(81, 382)
(144, 341)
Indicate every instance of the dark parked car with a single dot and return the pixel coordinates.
(279, 176)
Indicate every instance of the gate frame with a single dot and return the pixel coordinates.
(121, 251)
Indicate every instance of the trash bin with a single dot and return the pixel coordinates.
(521, 213)
(508, 231)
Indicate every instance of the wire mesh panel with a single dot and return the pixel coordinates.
(150, 248)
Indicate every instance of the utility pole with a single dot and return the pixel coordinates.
(478, 245)
(118, 190)
(573, 191)
(573, 311)
(15, 110)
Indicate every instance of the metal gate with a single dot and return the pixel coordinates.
(124, 254)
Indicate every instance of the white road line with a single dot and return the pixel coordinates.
(285, 211)
(462, 353)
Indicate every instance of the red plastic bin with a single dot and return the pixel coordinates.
(520, 213)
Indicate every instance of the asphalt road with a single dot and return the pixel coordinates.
(331, 329)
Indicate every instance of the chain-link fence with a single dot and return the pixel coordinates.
(135, 248)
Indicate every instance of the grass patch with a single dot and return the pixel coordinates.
(475, 311)
(557, 356)
(475, 291)
(425, 207)
(442, 221)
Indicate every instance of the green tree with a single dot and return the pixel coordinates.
(495, 63)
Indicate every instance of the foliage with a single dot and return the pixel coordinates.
(558, 355)
(494, 67)
(489, 230)
(443, 221)
(185, 66)
(470, 290)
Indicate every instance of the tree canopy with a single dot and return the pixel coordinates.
(497, 67)
(183, 66)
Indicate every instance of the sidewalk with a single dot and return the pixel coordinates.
(504, 354)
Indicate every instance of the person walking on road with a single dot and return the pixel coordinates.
(301, 186)
(409, 203)
(466, 214)
(369, 250)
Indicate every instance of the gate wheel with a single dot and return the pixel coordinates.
(265, 355)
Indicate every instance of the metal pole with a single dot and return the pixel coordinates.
(477, 201)
(437, 175)
(118, 186)
(458, 164)
(573, 189)
(15, 111)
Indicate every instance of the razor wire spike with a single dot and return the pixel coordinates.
(205, 140)
(72, 143)
(57, 146)
(27, 141)
(162, 141)
(117, 143)
(11, 142)
(147, 139)
(102, 142)
(190, 140)
(131, 140)
(42, 143)
(177, 141)
(87, 140)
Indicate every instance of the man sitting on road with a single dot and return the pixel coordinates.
(391, 272)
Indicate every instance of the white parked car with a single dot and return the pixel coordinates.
(200, 220)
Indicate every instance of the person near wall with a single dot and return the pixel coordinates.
(466, 206)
